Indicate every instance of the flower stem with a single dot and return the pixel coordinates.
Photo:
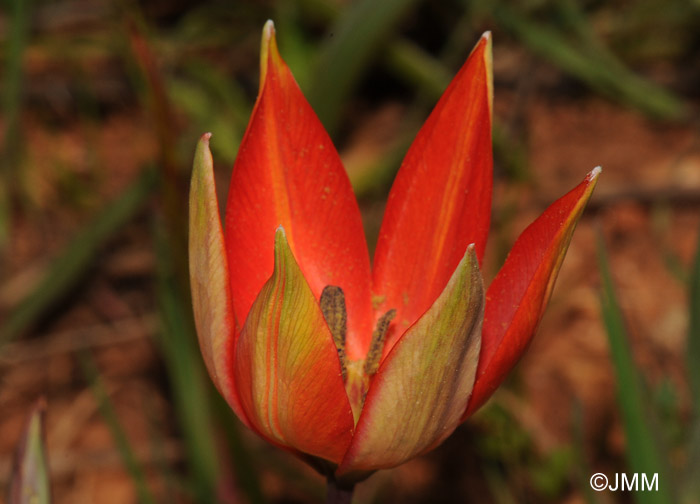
(338, 495)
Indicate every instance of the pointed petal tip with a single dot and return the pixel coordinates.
(281, 241)
(203, 162)
(487, 36)
(287, 368)
(269, 29)
(593, 175)
(268, 48)
(203, 148)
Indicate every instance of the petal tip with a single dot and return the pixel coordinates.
(203, 162)
(488, 63)
(268, 48)
(283, 251)
(593, 175)
(269, 29)
(204, 140)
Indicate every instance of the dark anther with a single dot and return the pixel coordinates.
(333, 308)
(378, 336)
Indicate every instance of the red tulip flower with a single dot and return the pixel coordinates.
(356, 369)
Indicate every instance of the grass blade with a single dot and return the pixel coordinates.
(691, 483)
(357, 36)
(17, 27)
(694, 333)
(120, 438)
(591, 67)
(191, 397)
(30, 483)
(67, 269)
(644, 453)
(246, 473)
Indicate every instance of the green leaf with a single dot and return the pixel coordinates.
(644, 453)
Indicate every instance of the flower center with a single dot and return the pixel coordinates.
(356, 374)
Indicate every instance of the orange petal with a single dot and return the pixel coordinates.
(418, 395)
(518, 296)
(288, 174)
(287, 369)
(441, 199)
(209, 277)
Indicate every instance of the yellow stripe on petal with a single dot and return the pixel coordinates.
(287, 369)
(209, 277)
(421, 389)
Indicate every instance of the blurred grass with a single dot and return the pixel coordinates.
(693, 362)
(188, 85)
(643, 446)
(121, 440)
(651, 421)
(186, 375)
(354, 39)
(80, 253)
(12, 98)
(692, 483)
(573, 47)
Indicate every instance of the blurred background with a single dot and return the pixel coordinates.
(102, 102)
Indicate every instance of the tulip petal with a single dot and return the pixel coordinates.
(287, 369)
(418, 395)
(518, 296)
(209, 277)
(441, 199)
(289, 174)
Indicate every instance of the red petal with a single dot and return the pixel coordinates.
(289, 174)
(518, 296)
(441, 198)
(287, 370)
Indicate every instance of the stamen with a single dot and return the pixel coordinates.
(333, 308)
(375, 350)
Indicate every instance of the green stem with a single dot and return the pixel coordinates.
(337, 494)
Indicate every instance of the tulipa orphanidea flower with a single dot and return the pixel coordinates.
(356, 369)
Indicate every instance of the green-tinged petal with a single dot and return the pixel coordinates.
(287, 369)
(29, 483)
(209, 277)
(418, 395)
